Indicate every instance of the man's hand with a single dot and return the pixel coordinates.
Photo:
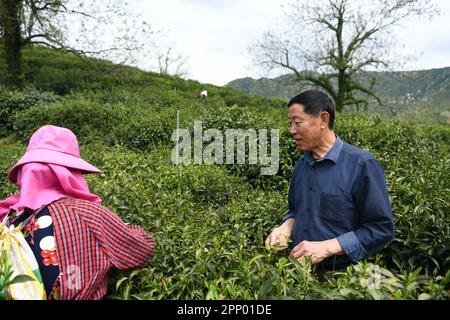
(317, 250)
(281, 234)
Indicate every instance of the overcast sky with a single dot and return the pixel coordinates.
(214, 35)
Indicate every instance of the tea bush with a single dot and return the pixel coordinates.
(209, 228)
(369, 281)
(12, 102)
(210, 221)
(91, 121)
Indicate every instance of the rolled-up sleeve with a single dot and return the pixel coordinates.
(352, 247)
(376, 219)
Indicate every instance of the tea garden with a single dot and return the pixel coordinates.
(210, 221)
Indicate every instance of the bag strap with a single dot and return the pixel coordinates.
(6, 218)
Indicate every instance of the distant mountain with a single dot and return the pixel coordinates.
(409, 93)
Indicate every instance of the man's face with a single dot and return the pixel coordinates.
(305, 128)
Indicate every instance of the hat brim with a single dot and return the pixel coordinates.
(52, 157)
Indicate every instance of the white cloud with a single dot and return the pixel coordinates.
(430, 40)
(215, 35)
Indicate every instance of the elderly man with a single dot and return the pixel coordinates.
(339, 210)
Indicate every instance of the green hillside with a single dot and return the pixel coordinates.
(209, 221)
(417, 95)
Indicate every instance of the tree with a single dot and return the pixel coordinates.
(329, 44)
(164, 56)
(169, 64)
(68, 25)
(12, 40)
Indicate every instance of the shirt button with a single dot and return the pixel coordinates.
(310, 188)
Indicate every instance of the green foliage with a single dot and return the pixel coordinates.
(91, 121)
(414, 95)
(369, 281)
(210, 221)
(10, 153)
(62, 73)
(210, 228)
(146, 130)
(12, 102)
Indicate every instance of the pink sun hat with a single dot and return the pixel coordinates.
(54, 145)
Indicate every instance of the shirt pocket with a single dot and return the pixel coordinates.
(336, 209)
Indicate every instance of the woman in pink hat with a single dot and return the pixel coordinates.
(74, 238)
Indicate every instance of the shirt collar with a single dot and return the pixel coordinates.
(332, 154)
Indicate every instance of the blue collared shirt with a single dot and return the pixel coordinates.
(342, 195)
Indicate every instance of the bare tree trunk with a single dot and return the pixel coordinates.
(336, 41)
(12, 39)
